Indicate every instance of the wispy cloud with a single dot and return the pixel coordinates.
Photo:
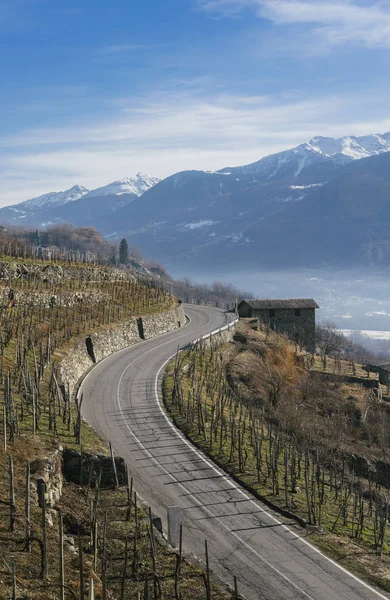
(184, 119)
(336, 21)
(164, 134)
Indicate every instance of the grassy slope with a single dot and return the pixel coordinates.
(247, 364)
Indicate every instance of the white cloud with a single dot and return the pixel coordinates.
(167, 133)
(336, 21)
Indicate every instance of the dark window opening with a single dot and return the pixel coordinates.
(271, 312)
(297, 312)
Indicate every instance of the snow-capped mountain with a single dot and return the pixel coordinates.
(197, 220)
(324, 152)
(134, 186)
(323, 202)
(54, 199)
(129, 185)
(78, 205)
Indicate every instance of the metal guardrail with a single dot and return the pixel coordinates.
(216, 331)
(199, 302)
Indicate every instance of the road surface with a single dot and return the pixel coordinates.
(122, 401)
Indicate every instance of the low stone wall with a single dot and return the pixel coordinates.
(366, 383)
(377, 470)
(96, 346)
(79, 469)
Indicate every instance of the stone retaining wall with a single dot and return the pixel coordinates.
(366, 383)
(48, 299)
(53, 273)
(79, 469)
(96, 346)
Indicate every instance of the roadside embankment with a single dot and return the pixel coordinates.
(313, 448)
(97, 346)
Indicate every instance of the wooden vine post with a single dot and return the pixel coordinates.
(27, 509)
(45, 565)
(11, 495)
(114, 466)
(61, 551)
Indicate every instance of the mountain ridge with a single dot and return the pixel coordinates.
(319, 150)
(128, 185)
(68, 205)
(54, 198)
(323, 202)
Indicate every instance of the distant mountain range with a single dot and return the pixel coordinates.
(78, 205)
(321, 154)
(325, 202)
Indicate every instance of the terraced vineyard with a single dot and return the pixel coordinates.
(45, 309)
(312, 445)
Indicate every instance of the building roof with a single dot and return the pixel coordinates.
(287, 303)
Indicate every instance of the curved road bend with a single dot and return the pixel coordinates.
(245, 538)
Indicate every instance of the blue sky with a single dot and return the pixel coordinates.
(94, 91)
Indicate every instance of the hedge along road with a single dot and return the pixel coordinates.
(122, 401)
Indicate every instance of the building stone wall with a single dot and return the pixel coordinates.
(245, 311)
(300, 329)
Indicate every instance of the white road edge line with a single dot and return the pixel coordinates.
(180, 484)
(213, 466)
(234, 486)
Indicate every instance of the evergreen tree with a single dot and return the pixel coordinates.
(123, 252)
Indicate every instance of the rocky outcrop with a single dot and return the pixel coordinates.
(96, 346)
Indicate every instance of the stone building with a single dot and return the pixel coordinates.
(294, 317)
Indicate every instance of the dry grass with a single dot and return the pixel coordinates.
(271, 390)
(21, 328)
(75, 506)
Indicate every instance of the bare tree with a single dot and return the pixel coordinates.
(329, 341)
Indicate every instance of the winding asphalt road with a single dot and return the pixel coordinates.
(271, 559)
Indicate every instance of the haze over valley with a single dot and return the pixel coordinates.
(311, 221)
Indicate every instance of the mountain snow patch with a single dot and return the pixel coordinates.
(55, 199)
(129, 185)
(318, 150)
